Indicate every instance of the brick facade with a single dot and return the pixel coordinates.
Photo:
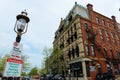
(90, 44)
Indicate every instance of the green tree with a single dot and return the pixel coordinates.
(47, 52)
(24, 74)
(42, 71)
(3, 61)
(34, 71)
(26, 65)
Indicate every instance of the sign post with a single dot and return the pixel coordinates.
(14, 64)
(13, 67)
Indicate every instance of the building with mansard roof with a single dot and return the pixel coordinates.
(89, 43)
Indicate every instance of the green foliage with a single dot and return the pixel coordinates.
(34, 71)
(47, 53)
(24, 74)
(3, 61)
(42, 71)
(26, 65)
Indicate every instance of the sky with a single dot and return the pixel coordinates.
(45, 16)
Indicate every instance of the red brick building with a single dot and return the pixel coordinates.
(90, 43)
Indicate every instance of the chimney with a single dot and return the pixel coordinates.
(90, 7)
(113, 18)
(75, 3)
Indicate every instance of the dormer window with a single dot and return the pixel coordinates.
(70, 18)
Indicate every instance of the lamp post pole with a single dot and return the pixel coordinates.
(20, 28)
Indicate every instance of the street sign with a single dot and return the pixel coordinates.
(13, 67)
(17, 49)
(92, 68)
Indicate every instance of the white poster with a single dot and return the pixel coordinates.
(17, 49)
(13, 67)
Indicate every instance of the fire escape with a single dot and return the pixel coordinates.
(92, 38)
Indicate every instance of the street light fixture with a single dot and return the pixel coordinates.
(21, 25)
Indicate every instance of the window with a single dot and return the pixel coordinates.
(103, 22)
(101, 35)
(75, 26)
(111, 52)
(105, 53)
(75, 35)
(62, 42)
(106, 33)
(107, 36)
(108, 24)
(69, 54)
(73, 52)
(97, 20)
(113, 34)
(108, 39)
(118, 53)
(87, 30)
(70, 18)
(118, 39)
(68, 33)
(87, 50)
(85, 25)
(100, 31)
(77, 51)
(93, 51)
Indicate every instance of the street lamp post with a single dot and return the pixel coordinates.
(20, 28)
(21, 25)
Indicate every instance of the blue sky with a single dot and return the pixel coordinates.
(45, 16)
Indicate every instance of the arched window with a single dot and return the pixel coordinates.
(93, 50)
(87, 50)
(85, 25)
(97, 20)
(87, 29)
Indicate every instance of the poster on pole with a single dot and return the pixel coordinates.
(13, 67)
(17, 49)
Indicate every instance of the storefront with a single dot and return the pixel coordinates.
(79, 69)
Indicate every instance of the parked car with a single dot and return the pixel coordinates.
(108, 76)
(58, 77)
(105, 76)
(49, 77)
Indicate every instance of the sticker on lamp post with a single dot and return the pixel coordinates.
(13, 67)
(17, 49)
